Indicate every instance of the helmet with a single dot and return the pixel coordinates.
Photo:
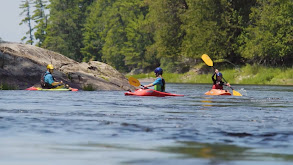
(159, 70)
(50, 66)
(219, 74)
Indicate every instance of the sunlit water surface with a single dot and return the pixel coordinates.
(102, 127)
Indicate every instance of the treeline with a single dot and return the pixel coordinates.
(143, 34)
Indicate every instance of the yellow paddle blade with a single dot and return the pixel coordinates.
(235, 93)
(207, 59)
(133, 81)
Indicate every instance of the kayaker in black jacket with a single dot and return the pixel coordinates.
(218, 83)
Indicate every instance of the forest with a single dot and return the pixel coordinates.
(173, 34)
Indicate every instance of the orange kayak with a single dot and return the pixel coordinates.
(217, 92)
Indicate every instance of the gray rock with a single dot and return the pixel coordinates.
(22, 65)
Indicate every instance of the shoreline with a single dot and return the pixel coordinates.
(246, 75)
(145, 80)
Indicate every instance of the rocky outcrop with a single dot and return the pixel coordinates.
(22, 66)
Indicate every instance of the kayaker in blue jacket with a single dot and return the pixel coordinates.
(159, 83)
(47, 80)
(218, 83)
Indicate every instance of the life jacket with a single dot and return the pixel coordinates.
(44, 84)
(217, 86)
(163, 87)
(160, 87)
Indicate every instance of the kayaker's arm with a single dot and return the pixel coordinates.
(157, 81)
(57, 83)
(223, 83)
(149, 85)
(213, 78)
(228, 84)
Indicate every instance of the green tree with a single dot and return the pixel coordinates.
(114, 36)
(65, 24)
(40, 17)
(114, 33)
(165, 15)
(137, 37)
(26, 10)
(269, 38)
(209, 28)
(93, 30)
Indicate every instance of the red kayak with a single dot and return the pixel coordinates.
(150, 92)
(217, 92)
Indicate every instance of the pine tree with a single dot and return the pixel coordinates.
(137, 37)
(93, 29)
(26, 7)
(166, 17)
(114, 34)
(40, 17)
(64, 29)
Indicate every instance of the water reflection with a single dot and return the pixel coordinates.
(223, 152)
(109, 128)
(207, 101)
(219, 101)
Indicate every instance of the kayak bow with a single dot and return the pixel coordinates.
(217, 92)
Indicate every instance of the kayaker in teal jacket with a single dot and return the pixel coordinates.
(48, 81)
(159, 83)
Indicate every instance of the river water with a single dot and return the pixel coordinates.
(106, 127)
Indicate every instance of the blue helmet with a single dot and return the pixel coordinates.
(159, 70)
(219, 74)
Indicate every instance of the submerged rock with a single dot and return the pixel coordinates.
(22, 65)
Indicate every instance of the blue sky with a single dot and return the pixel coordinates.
(10, 30)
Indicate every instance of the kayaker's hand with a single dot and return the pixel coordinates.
(228, 85)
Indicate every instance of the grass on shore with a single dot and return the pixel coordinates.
(249, 74)
(4, 86)
(88, 87)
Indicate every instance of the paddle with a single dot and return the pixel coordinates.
(60, 86)
(68, 87)
(63, 85)
(209, 62)
(133, 81)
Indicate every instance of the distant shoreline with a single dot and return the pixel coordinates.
(246, 75)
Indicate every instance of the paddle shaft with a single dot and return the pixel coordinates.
(226, 82)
